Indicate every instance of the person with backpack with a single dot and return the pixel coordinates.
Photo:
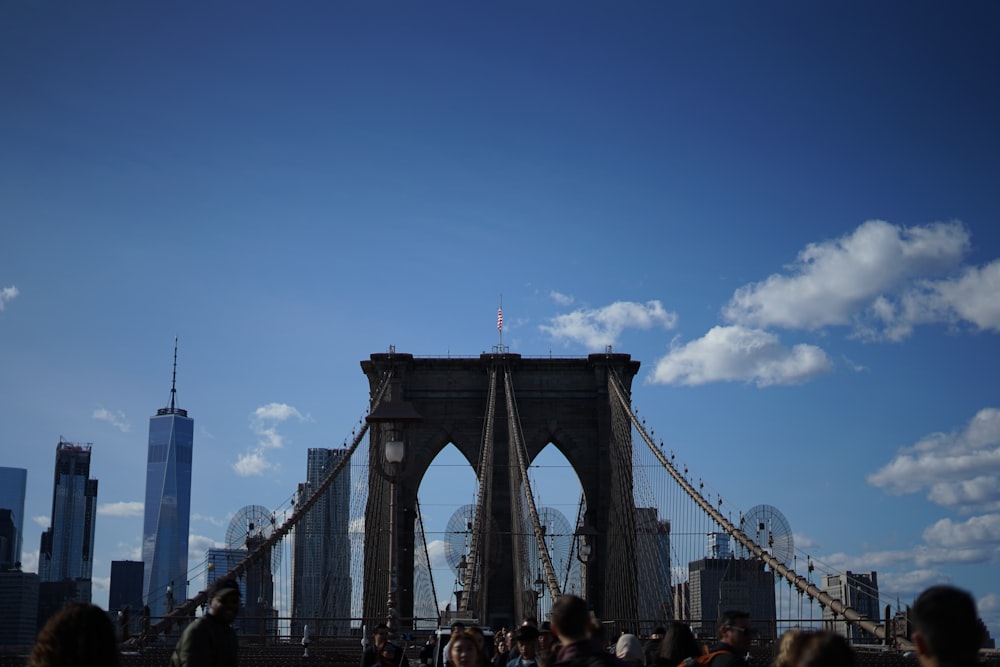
(735, 636)
(572, 623)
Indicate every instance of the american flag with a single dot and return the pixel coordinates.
(499, 319)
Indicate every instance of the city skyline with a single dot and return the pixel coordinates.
(786, 213)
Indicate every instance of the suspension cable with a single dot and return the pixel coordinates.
(517, 444)
(484, 473)
(838, 607)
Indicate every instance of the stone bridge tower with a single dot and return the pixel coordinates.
(563, 401)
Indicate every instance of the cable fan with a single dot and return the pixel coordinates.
(250, 526)
(769, 528)
(458, 534)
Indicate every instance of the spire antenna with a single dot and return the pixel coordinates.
(173, 382)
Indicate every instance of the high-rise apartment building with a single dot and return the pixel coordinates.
(858, 591)
(167, 518)
(67, 548)
(13, 487)
(321, 567)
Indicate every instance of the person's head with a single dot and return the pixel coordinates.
(734, 629)
(823, 648)
(477, 634)
(79, 634)
(457, 627)
(380, 634)
(678, 644)
(946, 627)
(545, 638)
(529, 620)
(389, 654)
(571, 619)
(464, 651)
(629, 649)
(658, 632)
(789, 648)
(224, 599)
(527, 641)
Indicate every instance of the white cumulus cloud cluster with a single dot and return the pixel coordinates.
(126, 508)
(264, 423)
(7, 294)
(116, 419)
(736, 354)
(959, 470)
(596, 328)
(879, 281)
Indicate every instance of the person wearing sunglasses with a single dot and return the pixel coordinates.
(735, 636)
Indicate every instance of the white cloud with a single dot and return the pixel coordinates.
(436, 553)
(127, 508)
(599, 327)
(561, 299)
(42, 520)
(101, 583)
(912, 582)
(198, 545)
(959, 469)
(116, 419)
(7, 294)
(974, 532)
(252, 464)
(740, 354)
(263, 422)
(833, 282)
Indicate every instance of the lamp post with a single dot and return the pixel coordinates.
(585, 536)
(539, 592)
(391, 415)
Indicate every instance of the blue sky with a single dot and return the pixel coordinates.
(787, 212)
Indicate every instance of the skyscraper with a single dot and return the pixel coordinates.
(125, 595)
(859, 591)
(67, 549)
(167, 519)
(13, 486)
(321, 568)
(652, 548)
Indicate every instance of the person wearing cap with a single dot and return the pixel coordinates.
(526, 639)
(210, 641)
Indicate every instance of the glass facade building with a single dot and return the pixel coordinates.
(67, 548)
(167, 518)
(321, 567)
(13, 487)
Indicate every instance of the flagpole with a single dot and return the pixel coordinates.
(500, 322)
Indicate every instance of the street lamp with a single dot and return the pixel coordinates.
(539, 592)
(585, 536)
(391, 415)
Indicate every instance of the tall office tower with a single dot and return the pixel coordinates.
(321, 566)
(718, 584)
(67, 549)
(167, 520)
(856, 590)
(219, 562)
(125, 595)
(652, 547)
(13, 486)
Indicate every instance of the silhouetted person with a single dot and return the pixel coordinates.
(79, 634)
(946, 628)
(677, 645)
(211, 640)
(735, 635)
(823, 648)
(573, 625)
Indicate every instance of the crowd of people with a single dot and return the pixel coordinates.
(946, 632)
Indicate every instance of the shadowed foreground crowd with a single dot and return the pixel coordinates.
(946, 633)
